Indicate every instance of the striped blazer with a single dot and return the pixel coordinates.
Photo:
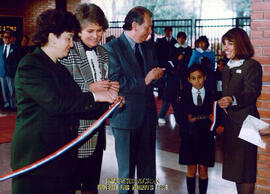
(77, 64)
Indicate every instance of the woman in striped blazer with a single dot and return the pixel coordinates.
(88, 63)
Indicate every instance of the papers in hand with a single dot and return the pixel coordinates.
(250, 131)
(171, 63)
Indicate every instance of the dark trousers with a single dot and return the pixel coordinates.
(35, 184)
(88, 173)
(165, 108)
(135, 148)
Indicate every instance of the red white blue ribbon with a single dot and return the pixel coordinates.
(63, 149)
(214, 116)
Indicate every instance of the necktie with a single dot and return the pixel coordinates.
(199, 99)
(139, 57)
(5, 52)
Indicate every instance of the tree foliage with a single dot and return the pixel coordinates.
(163, 9)
(241, 8)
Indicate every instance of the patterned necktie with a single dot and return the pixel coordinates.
(5, 53)
(199, 99)
(139, 57)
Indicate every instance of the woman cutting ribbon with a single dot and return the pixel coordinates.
(49, 105)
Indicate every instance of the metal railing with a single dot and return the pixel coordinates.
(215, 28)
(212, 28)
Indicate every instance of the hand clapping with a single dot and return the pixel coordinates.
(154, 74)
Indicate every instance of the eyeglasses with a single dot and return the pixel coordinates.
(6, 36)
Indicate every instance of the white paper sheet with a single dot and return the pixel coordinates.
(250, 131)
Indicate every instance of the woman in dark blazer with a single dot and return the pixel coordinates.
(49, 106)
(241, 86)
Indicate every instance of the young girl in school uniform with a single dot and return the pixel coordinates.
(197, 148)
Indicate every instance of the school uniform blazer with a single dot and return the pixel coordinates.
(245, 83)
(49, 105)
(8, 67)
(186, 106)
(125, 69)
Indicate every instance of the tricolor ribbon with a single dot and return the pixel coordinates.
(214, 116)
(63, 149)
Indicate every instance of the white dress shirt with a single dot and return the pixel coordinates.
(8, 48)
(195, 92)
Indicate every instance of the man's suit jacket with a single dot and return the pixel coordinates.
(8, 67)
(49, 105)
(125, 69)
(245, 83)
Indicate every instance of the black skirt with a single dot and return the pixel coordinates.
(197, 147)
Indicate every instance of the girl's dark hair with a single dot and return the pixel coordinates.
(136, 14)
(204, 39)
(86, 13)
(205, 62)
(182, 34)
(56, 22)
(242, 46)
(196, 67)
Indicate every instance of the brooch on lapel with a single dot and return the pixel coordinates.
(238, 71)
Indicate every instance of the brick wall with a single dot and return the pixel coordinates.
(33, 8)
(30, 9)
(260, 36)
(72, 5)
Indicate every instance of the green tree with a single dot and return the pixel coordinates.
(241, 8)
(163, 9)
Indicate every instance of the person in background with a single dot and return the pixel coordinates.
(181, 54)
(241, 86)
(211, 81)
(175, 76)
(202, 51)
(218, 74)
(88, 64)
(133, 63)
(14, 37)
(164, 48)
(197, 149)
(24, 48)
(50, 105)
(9, 59)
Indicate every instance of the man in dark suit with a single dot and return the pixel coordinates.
(165, 47)
(133, 64)
(8, 63)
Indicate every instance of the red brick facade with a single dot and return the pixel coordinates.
(260, 36)
(30, 9)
